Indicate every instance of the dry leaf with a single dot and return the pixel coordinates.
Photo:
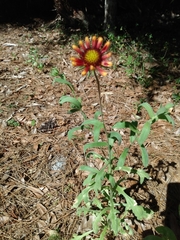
(41, 225)
(4, 220)
(37, 192)
(43, 212)
(53, 217)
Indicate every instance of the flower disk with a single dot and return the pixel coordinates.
(93, 56)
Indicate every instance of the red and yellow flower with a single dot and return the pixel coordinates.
(92, 55)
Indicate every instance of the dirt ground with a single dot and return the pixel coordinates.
(39, 176)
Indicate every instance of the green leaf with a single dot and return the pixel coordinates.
(145, 157)
(73, 110)
(115, 136)
(122, 158)
(161, 110)
(33, 122)
(166, 117)
(98, 219)
(54, 72)
(125, 124)
(114, 220)
(71, 132)
(84, 210)
(76, 103)
(94, 155)
(142, 213)
(148, 109)
(111, 180)
(130, 201)
(144, 133)
(89, 169)
(165, 109)
(62, 79)
(82, 197)
(142, 174)
(89, 180)
(103, 233)
(166, 232)
(132, 136)
(97, 203)
(76, 237)
(125, 169)
(169, 105)
(95, 145)
(98, 125)
(98, 180)
(96, 223)
(97, 114)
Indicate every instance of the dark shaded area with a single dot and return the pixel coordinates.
(155, 24)
(173, 208)
(23, 11)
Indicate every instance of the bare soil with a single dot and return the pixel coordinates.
(35, 195)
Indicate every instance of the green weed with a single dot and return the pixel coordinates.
(36, 59)
(13, 123)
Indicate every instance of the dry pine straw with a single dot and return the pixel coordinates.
(35, 198)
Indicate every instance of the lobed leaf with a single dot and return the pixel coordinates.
(142, 174)
(142, 213)
(82, 197)
(114, 220)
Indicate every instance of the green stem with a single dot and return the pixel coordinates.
(100, 103)
(110, 164)
(84, 115)
(101, 109)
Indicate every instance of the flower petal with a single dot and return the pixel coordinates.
(92, 68)
(105, 56)
(94, 41)
(87, 42)
(77, 61)
(86, 70)
(78, 50)
(99, 42)
(101, 71)
(106, 47)
(106, 63)
(81, 44)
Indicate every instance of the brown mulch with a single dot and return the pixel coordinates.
(35, 196)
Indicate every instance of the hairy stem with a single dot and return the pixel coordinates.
(100, 103)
